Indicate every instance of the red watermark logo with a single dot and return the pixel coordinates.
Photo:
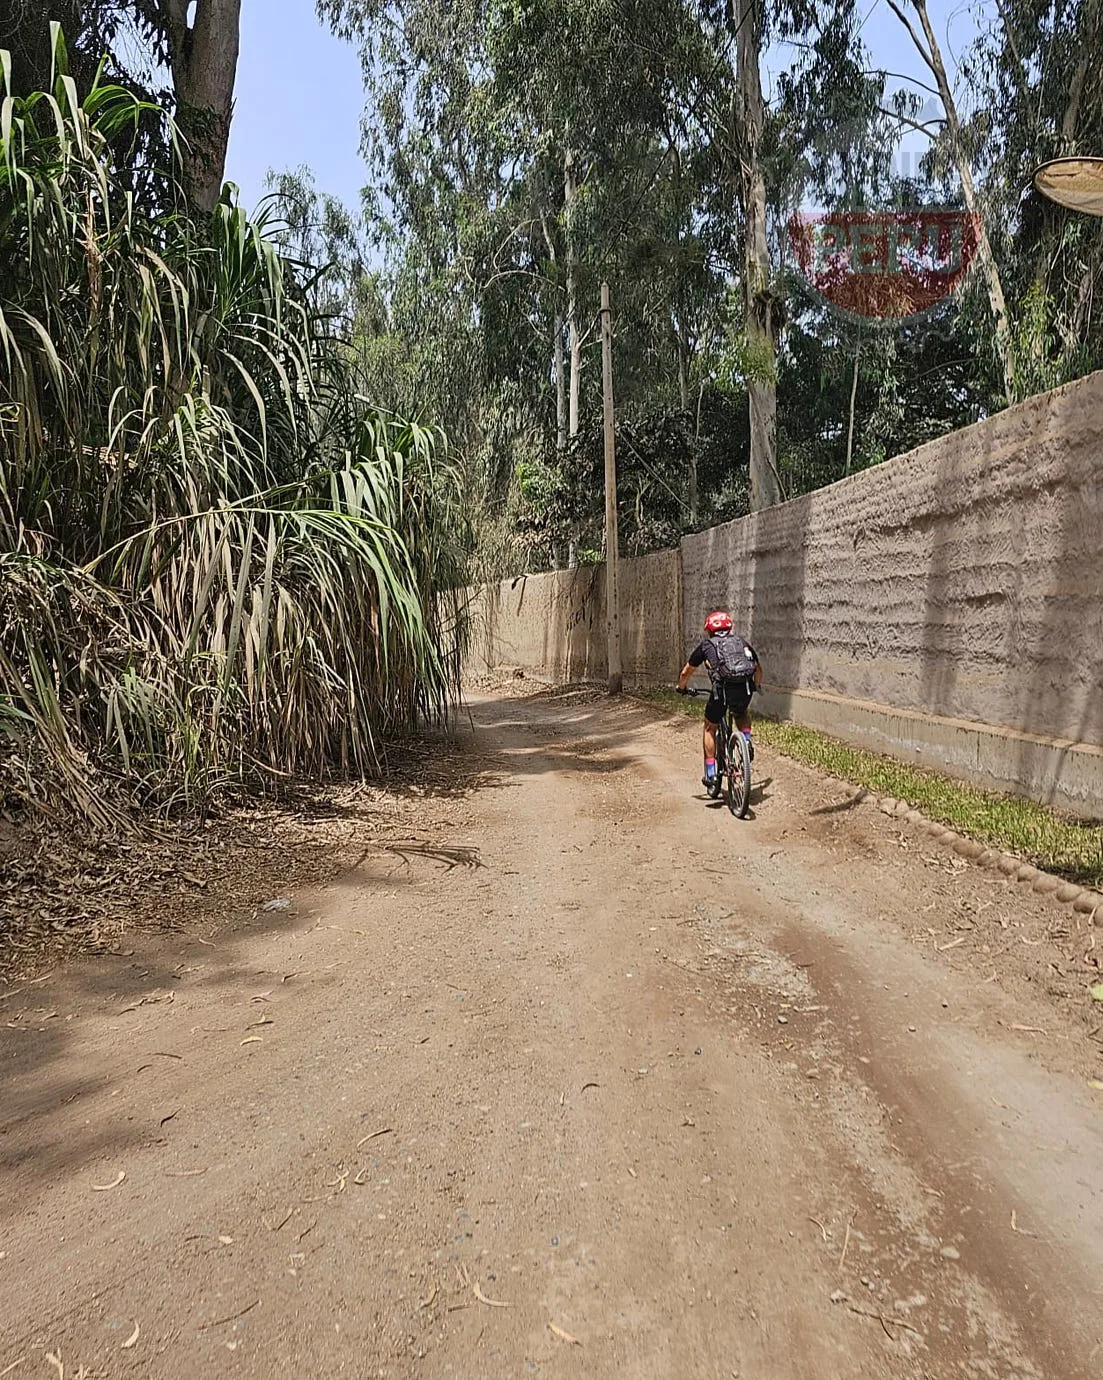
(884, 265)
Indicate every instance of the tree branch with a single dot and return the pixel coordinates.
(920, 48)
(919, 126)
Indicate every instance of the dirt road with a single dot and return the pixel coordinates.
(585, 1079)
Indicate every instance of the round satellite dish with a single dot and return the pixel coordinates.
(1073, 182)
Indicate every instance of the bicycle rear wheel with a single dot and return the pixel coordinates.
(739, 773)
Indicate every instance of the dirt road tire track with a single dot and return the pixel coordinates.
(702, 1095)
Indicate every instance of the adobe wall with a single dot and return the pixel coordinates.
(553, 624)
(964, 578)
(945, 607)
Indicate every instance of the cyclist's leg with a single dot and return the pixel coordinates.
(740, 705)
(714, 712)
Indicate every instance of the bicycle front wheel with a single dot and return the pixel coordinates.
(739, 774)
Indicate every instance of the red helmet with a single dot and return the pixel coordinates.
(718, 622)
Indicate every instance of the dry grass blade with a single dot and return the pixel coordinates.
(230, 1317)
(846, 1243)
(490, 1303)
(115, 1182)
(12, 1366)
(884, 1321)
(386, 1131)
(563, 1335)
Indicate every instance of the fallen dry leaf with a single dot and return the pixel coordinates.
(103, 1188)
(563, 1336)
(226, 1240)
(133, 1338)
(57, 1364)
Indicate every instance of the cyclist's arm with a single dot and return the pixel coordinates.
(697, 658)
(757, 668)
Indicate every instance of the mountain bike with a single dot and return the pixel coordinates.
(733, 763)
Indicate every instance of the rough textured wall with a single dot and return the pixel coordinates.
(554, 623)
(964, 578)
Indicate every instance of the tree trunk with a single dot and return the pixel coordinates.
(853, 400)
(203, 58)
(559, 364)
(758, 299)
(1088, 43)
(574, 335)
(932, 56)
(570, 196)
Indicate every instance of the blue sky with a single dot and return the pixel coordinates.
(300, 97)
(299, 100)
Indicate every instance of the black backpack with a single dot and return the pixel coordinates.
(735, 658)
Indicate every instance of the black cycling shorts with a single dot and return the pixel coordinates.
(731, 694)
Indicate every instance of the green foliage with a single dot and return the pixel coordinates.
(218, 562)
(1037, 86)
(480, 110)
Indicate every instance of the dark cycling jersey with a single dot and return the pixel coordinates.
(726, 694)
(707, 654)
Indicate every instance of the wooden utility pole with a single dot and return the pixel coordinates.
(612, 607)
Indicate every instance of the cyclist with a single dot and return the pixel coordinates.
(735, 672)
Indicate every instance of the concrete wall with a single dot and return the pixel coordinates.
(961, 583)
(553, 624)
(945, 607)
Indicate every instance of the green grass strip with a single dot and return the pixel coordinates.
(1056, 842)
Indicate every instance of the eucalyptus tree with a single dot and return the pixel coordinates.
(771, 148)
(1037, 79)
(525, 151)
(916, 20)
(196, 42)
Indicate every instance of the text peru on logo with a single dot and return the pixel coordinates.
(885, 265)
